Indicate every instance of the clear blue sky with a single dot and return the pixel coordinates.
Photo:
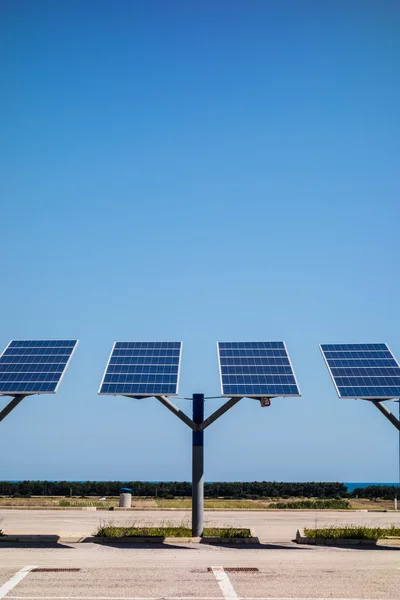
(199, 171)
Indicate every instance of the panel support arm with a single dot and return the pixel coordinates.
(177, 412)
(386, 412)
(11, 405)
(219, 412)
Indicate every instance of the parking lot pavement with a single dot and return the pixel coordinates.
(5, 574)
(172, 573)
(269, 525)
(122, 583)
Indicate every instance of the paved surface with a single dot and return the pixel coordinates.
(285, 571)
(175, 572)
(5, 574)
(272, 525)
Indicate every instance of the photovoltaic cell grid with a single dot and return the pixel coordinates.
(366, 371)
(255, 369)
(143, 369)
(34, 366)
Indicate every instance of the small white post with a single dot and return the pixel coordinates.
(125, 498)
(395, 503)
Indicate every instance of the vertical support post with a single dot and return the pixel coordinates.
(198, 467)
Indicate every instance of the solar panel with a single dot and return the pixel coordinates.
(366, 371)
(143, 369)
(256, 369)
(34, 366)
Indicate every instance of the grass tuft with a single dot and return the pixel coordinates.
(352, 532)
(110, 530)
(187, 503)
(86, 504)
(313, 504)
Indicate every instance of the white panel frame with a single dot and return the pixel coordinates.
(141, 395)
(14, 393)
(254, 396)
(373, 398)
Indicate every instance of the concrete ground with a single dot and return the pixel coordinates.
(284, 571)
(172, 572)
(269, 525)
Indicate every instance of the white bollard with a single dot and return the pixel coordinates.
(125, 498)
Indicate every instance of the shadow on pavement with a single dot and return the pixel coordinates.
(144, 546)
(260, 546)
(354, 546)
(362, 547)
(33, 541)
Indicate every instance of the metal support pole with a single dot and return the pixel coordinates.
(16, 400)
(386, 412)
(198, 467)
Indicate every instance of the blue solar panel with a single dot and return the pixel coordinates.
(367, 371)
(256, 369)
(34, 366)
(143, 369)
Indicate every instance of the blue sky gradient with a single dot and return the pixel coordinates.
(199, 171)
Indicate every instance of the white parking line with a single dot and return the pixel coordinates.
(224, 583)
(15, 579)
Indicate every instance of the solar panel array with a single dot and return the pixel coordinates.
(34, 366)
(368, 371)
(143, 369)
(255, 369)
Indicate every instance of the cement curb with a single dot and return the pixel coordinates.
(301, 539)
(172, 540)
(56, 539)
(29, 539)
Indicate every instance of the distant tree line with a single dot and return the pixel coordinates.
(168, 489)
(386, 492)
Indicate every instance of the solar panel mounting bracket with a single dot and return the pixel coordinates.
(11, 405)
(219, 412)
(165, 401)
(386, 413)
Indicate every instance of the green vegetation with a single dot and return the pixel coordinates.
(251, 504)
(178, 503)
(386, 492)
(169, 531)
(86, 504)
(352, 532)
(246, 490)
(228, 504)
(313, 504)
